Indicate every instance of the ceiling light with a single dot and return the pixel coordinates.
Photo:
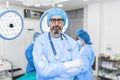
(85, 0)
(66, 0)
(37, 5)
(42, 2)
(60, 5)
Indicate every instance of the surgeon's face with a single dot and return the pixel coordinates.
(56, 24)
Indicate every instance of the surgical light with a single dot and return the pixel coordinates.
(11, 24)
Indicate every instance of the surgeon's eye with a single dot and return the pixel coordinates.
(57, 20)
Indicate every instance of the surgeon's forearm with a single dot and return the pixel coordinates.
(73, 71)
(73, 64)
(84, 69)
(51, 70)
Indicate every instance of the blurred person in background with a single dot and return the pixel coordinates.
(87, 55)
(29, 55)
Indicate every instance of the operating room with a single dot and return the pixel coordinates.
(23, 18)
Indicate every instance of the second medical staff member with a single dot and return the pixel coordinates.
(56, 54)
(29, 55)
(87, 55)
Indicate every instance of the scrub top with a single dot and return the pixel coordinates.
(29, 56)
(51, 67)
(87, 55)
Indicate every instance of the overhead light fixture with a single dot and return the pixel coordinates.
(42, 2)
(60, 5)
(66, 0)
(85, 0)
(37, 5)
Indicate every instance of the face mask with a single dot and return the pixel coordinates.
(79, 44)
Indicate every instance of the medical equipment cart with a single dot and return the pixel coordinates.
(5, 65)
(108, 68)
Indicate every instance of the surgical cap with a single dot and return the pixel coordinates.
(56, 12)
(35, 35)
(84, 36)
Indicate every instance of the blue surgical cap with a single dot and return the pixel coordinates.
(35, 35)
(84, 36)
(56, 12)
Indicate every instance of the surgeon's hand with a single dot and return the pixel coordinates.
(73, 64)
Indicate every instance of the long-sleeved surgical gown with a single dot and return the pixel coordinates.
(47, 66)
(87, 55)
(29, 56)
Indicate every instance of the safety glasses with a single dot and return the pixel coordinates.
(57, 20)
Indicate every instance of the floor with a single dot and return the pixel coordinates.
(96, 78)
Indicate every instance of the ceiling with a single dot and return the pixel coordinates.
(67, 5)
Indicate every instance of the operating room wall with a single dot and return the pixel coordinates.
(76, 21)
(14, 50)
(92, 27)
(102, 21)
(111, 26)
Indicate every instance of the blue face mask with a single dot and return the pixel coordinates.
(79, 44)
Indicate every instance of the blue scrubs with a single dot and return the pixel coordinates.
(51, 68)
(29, 56)
(87, 55)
